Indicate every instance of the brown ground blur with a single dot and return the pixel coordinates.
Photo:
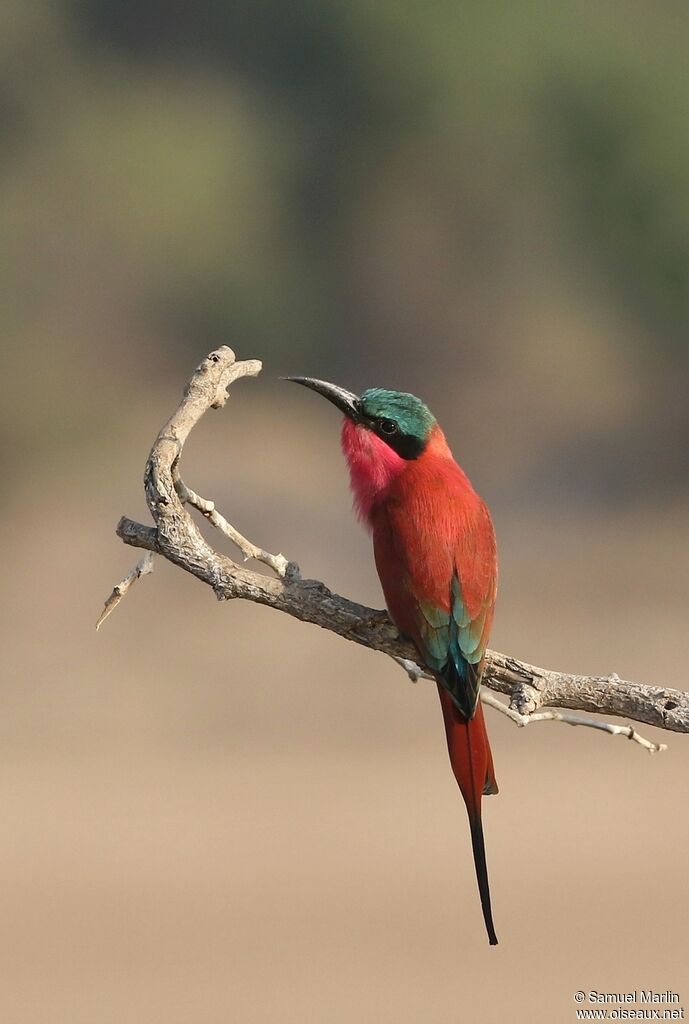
(213, 813)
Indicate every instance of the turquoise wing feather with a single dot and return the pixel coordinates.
(454, 645)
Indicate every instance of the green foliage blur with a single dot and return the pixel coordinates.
(484, 202)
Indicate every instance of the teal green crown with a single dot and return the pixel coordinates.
(412, 416)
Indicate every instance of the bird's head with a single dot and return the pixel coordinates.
(400, 420)
(383, 434)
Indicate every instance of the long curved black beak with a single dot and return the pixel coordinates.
(345, 401)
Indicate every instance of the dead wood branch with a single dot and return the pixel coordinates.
(142, 568)
(628, 731)
(176, 537)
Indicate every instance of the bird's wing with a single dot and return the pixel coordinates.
(474, 588)
(439, 576)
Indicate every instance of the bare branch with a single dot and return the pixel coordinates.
(416, 672)
(177, 538)
(561, 716)
(278, 563)
(142, 568)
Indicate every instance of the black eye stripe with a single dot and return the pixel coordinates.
(407, 446)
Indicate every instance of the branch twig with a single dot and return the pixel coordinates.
(278, 563)
(142, 568)
(561, 716)
(176, 537)
(416, 672)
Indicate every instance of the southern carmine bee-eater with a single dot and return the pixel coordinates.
(435, 553)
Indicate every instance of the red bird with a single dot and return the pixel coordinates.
(436, 557)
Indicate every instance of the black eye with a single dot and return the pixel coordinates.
(388, 427)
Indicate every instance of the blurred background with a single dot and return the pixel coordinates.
(214, 813)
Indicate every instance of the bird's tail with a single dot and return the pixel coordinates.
(472, 764)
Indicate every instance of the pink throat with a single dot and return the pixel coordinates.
(372, 465)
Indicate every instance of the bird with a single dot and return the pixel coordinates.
(436, 557)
